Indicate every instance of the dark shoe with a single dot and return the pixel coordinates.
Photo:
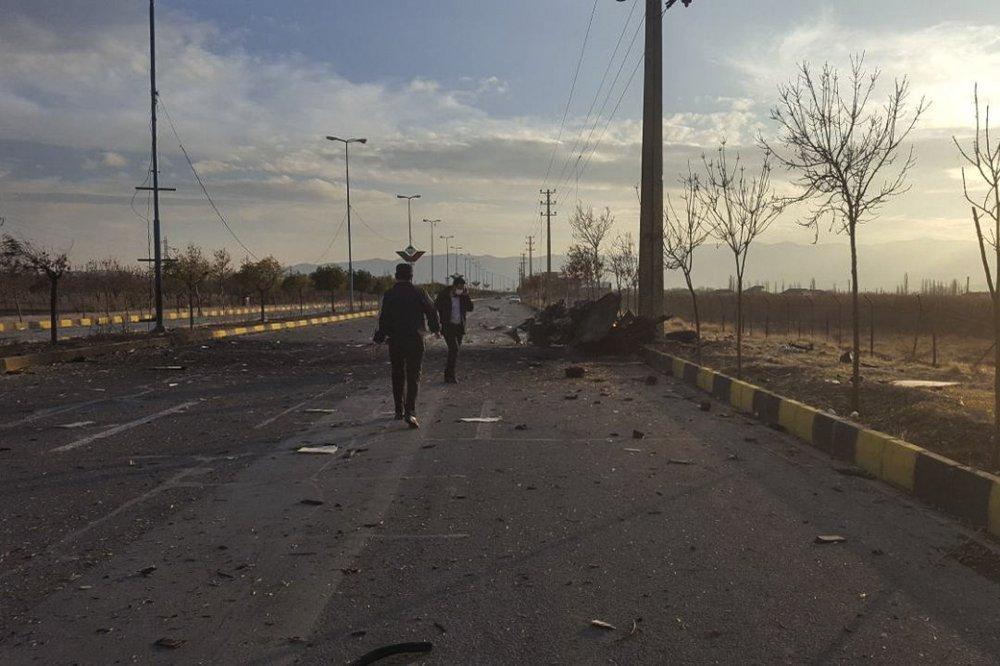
(411, 420)
(399, 415)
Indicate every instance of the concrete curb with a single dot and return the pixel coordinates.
(219, 333)
(16, 363)
(960, 490)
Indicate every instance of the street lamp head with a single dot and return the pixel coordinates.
(362, 140)
(333, 138)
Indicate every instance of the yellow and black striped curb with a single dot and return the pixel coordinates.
(960, 490)
(172, 315)
(16, 363)
(284, 325)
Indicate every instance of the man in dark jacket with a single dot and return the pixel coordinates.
(401, 321)
(452, 304)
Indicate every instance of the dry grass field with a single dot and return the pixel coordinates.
(953, 421)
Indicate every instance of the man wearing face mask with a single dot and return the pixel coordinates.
(452, 304)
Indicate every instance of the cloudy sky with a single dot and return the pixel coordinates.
(462, 102)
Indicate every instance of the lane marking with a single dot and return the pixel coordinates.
(123, 427)
(176, 481)
(55, 411)
(484, 430)
(291, 409)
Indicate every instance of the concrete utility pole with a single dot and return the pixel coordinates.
(433, 224)
(156, 189)
(548, 215)
(531, 256)
(350, 250)
(651, 199)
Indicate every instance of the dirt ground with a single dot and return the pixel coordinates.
(955, 422)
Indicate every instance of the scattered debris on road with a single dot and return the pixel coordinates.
(854, 471)
(595, 327)
(678, 461)
(705, 406)
(638, 434)
(168, 368)
(480, 419)
(520, 426)
(601, 624)
(170, 643)
(311, 502)
(686, 336)
(319, 410)
(147, 570)
(328, 449)
(418, 647)
(575, 372)
(824, 539)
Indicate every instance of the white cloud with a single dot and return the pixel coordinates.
(942, 61)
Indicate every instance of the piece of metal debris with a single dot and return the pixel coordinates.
(328, 449)
(417, 647)
(480, 419)
(830, 538)
(601, 624)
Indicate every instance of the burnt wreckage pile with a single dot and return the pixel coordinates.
(594, 327)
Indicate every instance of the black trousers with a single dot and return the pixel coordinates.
(406, 355)
(453, 334)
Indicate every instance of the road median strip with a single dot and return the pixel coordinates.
(960, 490)
(10, 364)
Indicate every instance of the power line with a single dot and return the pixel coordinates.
(604, 78)
(201, 183)
(332, 240)
(372, 229)
(564, 177)
(572, 90)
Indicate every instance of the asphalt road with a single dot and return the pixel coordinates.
(181, 514)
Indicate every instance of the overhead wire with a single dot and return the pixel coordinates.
(600, 88)
(572, 90)
(333, 240)
(201, 183)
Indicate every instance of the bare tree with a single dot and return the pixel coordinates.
(579, 266)
(624, 264)
(682, 234)
(739, 207)
(984, 158)
(222, 272)
(845, 150)
(590, 231)
(53, 265)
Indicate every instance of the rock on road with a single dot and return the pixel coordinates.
(155, 510)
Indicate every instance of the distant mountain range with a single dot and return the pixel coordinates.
(881, 265)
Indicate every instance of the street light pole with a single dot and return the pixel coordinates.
(409, 212)
(350, 249)
(433, 223)
(447, 255)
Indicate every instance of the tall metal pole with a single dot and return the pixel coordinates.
(350, 248)
(651, 204)
(433, 224)
(157, 253)
(447, 255)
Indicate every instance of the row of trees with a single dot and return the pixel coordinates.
(193, 278)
